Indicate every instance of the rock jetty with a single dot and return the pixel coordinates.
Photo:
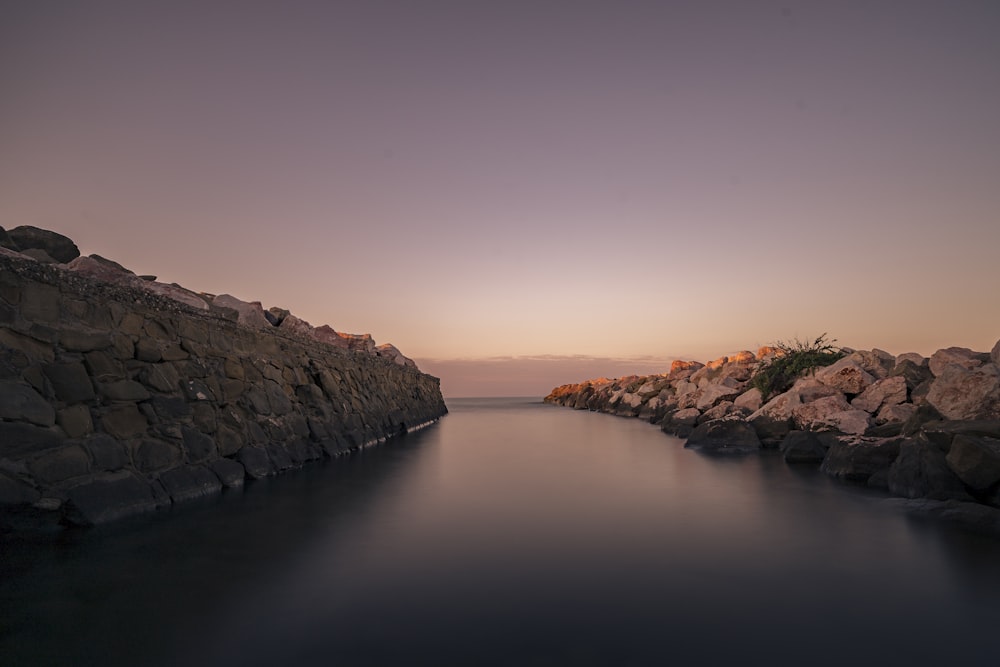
(121, 395)
(922, 429)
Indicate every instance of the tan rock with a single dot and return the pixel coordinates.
(887, 391)
(810, 389)
(807, 416)
(995, 354)
(714, 393)
(854, 422)
(961, 356)
(891, 414)
(251, 313)
(778, 408)
(846, 375)
(750, 399)
(963, 393)
(914, 357)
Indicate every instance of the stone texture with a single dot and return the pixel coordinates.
(887, 391)
(70, 381)
(75, 421)
(845, 375)
(189, 483)
(750, 400)
(724, 436)
(124, 421)
(808, 416)
(976, 461)
(19, 402)
(857, 460)
(920, 471)
(962, 393)
(59, 247)
(102, 501)
(960, 356)
(804, 447)
(230, 473)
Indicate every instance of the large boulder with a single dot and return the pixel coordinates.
(724, 436)
(251, 313)
(846, 375)
(58, 247)
(807, 416)
(913, 373)
(961, 356)
(962, 393)
(749, 400)
(920, 471)
(175, 292)
(887, 391)
(976, 461)
(995, 354)
(712, 394)
(857, 459)
(103, 269)
(806, 447)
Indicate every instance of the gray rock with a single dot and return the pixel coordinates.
(190, 482)
(197, 445)
(16, 492)
(846, 375)
(857, 459)
(18, 439)
(61, 464)
(124, 421)
(150, 455)
(102, 501)
(724, 436)
(804, 447)
(70, 381)
(75, 421)
(229, 472)
(84, 341)
(123, 390)
(920, 471)
(59, 247)
(19, 402)
(959, 356)
(976, 461)
(962, 394)
(107, 454)
(256, 462)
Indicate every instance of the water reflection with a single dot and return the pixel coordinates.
(518, 533)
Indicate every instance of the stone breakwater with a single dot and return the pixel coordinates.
(925, 429)
(118, 399)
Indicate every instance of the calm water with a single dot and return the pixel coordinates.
(513, 533)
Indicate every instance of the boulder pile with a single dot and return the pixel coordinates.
(918, 427)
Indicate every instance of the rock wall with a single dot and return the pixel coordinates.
(117, 399)
(924, 429)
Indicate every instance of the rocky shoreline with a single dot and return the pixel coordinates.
(926, 430)
(121, 395)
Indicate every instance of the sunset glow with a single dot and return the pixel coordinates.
(518, 195)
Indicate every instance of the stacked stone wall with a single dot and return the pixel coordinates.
(116, 401)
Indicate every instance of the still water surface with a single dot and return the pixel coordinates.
(513, 533)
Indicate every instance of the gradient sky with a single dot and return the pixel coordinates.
(522, 194)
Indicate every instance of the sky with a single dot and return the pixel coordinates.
(525, 194)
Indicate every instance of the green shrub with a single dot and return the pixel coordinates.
(792, 361)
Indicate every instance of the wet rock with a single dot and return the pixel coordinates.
(105, 500)
(857, 459)
(229, 472)
(976, 461)
(804, 447)
(920, 471)
(724, 436)
(190, 482)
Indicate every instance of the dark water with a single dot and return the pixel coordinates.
(513, 533)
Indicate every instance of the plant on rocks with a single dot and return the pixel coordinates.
(792, 359)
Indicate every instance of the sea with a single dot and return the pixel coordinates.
(510, 533)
